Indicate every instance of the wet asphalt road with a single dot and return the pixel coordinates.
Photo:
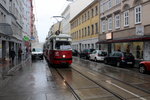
(34, 81)
(86, 79)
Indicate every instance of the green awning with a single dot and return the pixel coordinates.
(26, 38)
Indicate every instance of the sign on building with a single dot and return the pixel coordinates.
(139, 30)
(109, 36)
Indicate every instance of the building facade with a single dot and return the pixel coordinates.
(85, 27)
(10, 26)
(125, 26)
(65, 21)
(16, 25)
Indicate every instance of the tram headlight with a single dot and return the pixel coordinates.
(64, 56)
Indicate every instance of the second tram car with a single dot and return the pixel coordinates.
(57, 49)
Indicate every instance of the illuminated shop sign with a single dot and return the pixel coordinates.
(109, 36)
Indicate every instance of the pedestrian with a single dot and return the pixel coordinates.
(12, 55)
(19, 54)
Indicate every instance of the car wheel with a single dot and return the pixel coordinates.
(105, 61)
(142, 69)
(95, 59)
(118, 64)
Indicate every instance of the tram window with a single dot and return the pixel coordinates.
(63, 45)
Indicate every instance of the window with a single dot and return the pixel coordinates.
(117, 21)
(109, 4)
(118, 1)
(103, 26)
(96, 10)
(126, 18)
(96, 28)
(82, 32)
(85, 31)
(138, 14)
(88, 14)
(85, 17)
(92, 29)
(63, 45)
(88, 30)
(110, 23)
(79, 33)
(92, 12)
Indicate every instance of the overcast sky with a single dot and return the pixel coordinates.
(44, 10)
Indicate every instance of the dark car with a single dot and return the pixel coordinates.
(75, 52)
(86, 53)
(120, 59)
(37, 53)
(144, 66)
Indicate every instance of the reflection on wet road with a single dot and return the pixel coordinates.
(104, 82)
(123, 83)
(129, 77)
(34, 81)
(83, 80)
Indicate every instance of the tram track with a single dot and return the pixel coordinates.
(72, 90)
(76, 95)
(144, 90)
(66, 83)
(122, 98)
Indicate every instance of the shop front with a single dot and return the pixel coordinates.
(136, 48)
(139, 46)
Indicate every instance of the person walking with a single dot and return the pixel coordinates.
(12, 55)
(19, 54)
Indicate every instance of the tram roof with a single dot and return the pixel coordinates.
(60, 35)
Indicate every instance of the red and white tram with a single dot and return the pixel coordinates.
(57, 49)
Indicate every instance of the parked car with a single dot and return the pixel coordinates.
(120, 59)
(144, 66)
(86, 53)
(98, 55)
(75, 52)
(37, 53)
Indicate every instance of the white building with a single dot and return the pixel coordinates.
(26, 33)
(10, 26)
(66, 19)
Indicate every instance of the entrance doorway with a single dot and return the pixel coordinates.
(3, 49)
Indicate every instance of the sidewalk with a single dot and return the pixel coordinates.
(7, 69)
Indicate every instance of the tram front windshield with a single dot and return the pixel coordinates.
(63, 45)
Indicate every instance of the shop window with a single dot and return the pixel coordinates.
(138, 50)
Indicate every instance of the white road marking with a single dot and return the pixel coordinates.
(108, 81)
(91, 73)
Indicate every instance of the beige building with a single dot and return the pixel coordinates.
(125, 26)
(55, 27)
(85, 27)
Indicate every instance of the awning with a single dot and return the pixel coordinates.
(129, 39)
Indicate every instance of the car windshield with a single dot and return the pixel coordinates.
(63, 45)
(37, 50)
(103, 53)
